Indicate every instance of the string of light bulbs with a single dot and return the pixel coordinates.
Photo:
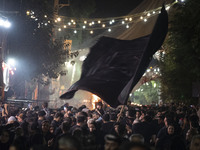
(88, 24)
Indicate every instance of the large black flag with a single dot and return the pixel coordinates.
(113, 67)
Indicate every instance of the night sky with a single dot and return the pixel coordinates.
(104, 8)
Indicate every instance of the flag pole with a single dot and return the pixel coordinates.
(120, 114)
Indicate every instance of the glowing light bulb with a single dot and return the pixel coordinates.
(145, 20)
(127, 26)
(59, 29)
(99, 21)
(103, 25)
(59, 19)
(92, 22)
(45, 24)
(27, 12)
(148, 14)
(109, 30)
(110, 22)
(154, 12)
(85, 22)
(126, 19)
(141, 17)
(130, 19)
(75, 31)
(65, 26)
(69, 23)
(113, 21)
(56, 21)
(84, 27)
(45, 16)
(123, 22)
(72, 20)
(91, 32)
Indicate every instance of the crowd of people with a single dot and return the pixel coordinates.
(166, 127)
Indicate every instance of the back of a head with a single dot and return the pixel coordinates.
(58, 114)
(67, 142)
(113, 117)
(45, 104)
(80, 119)
(133, 146)
(136, 138)
(106, 117)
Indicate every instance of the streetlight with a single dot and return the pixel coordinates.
(5, 23)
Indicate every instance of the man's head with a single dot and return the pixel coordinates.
(45, 105)
(111, 142)
(68, 143)
(45, 126)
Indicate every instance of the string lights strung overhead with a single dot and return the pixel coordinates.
(77, 24)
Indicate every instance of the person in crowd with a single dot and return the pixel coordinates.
(165, 140)
(195, 143)
(145, 128)
(99, 108)
(134, 146)
(111, 142)
(136, 138)
(46, 109)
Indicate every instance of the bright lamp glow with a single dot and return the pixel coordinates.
(5, 23)
(11, 62)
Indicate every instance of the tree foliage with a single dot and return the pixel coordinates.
(147, 93)
(180, 66)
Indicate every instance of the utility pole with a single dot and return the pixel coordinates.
(58, 6)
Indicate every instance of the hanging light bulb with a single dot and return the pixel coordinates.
(148, 14)
(75, 31)
(45, 16)
(127, 26)
(113, 21)
(99, 21)
(109, 30)
(69, 23)
(145, 20)
(130, 19)
(45, 24)
(126, 19)
(27, 12)
(123, 22)
(91, 32)
(65, 26)
(72, 20)
(59, 29)
(59, 19)
(103, 25)
(56, 21)
(84, 27)
(154, 12)
(141, 17)
(110, 22)
(92, 22)
(85, 22)
(49, 21)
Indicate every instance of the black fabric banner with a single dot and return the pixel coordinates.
(113, 67)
